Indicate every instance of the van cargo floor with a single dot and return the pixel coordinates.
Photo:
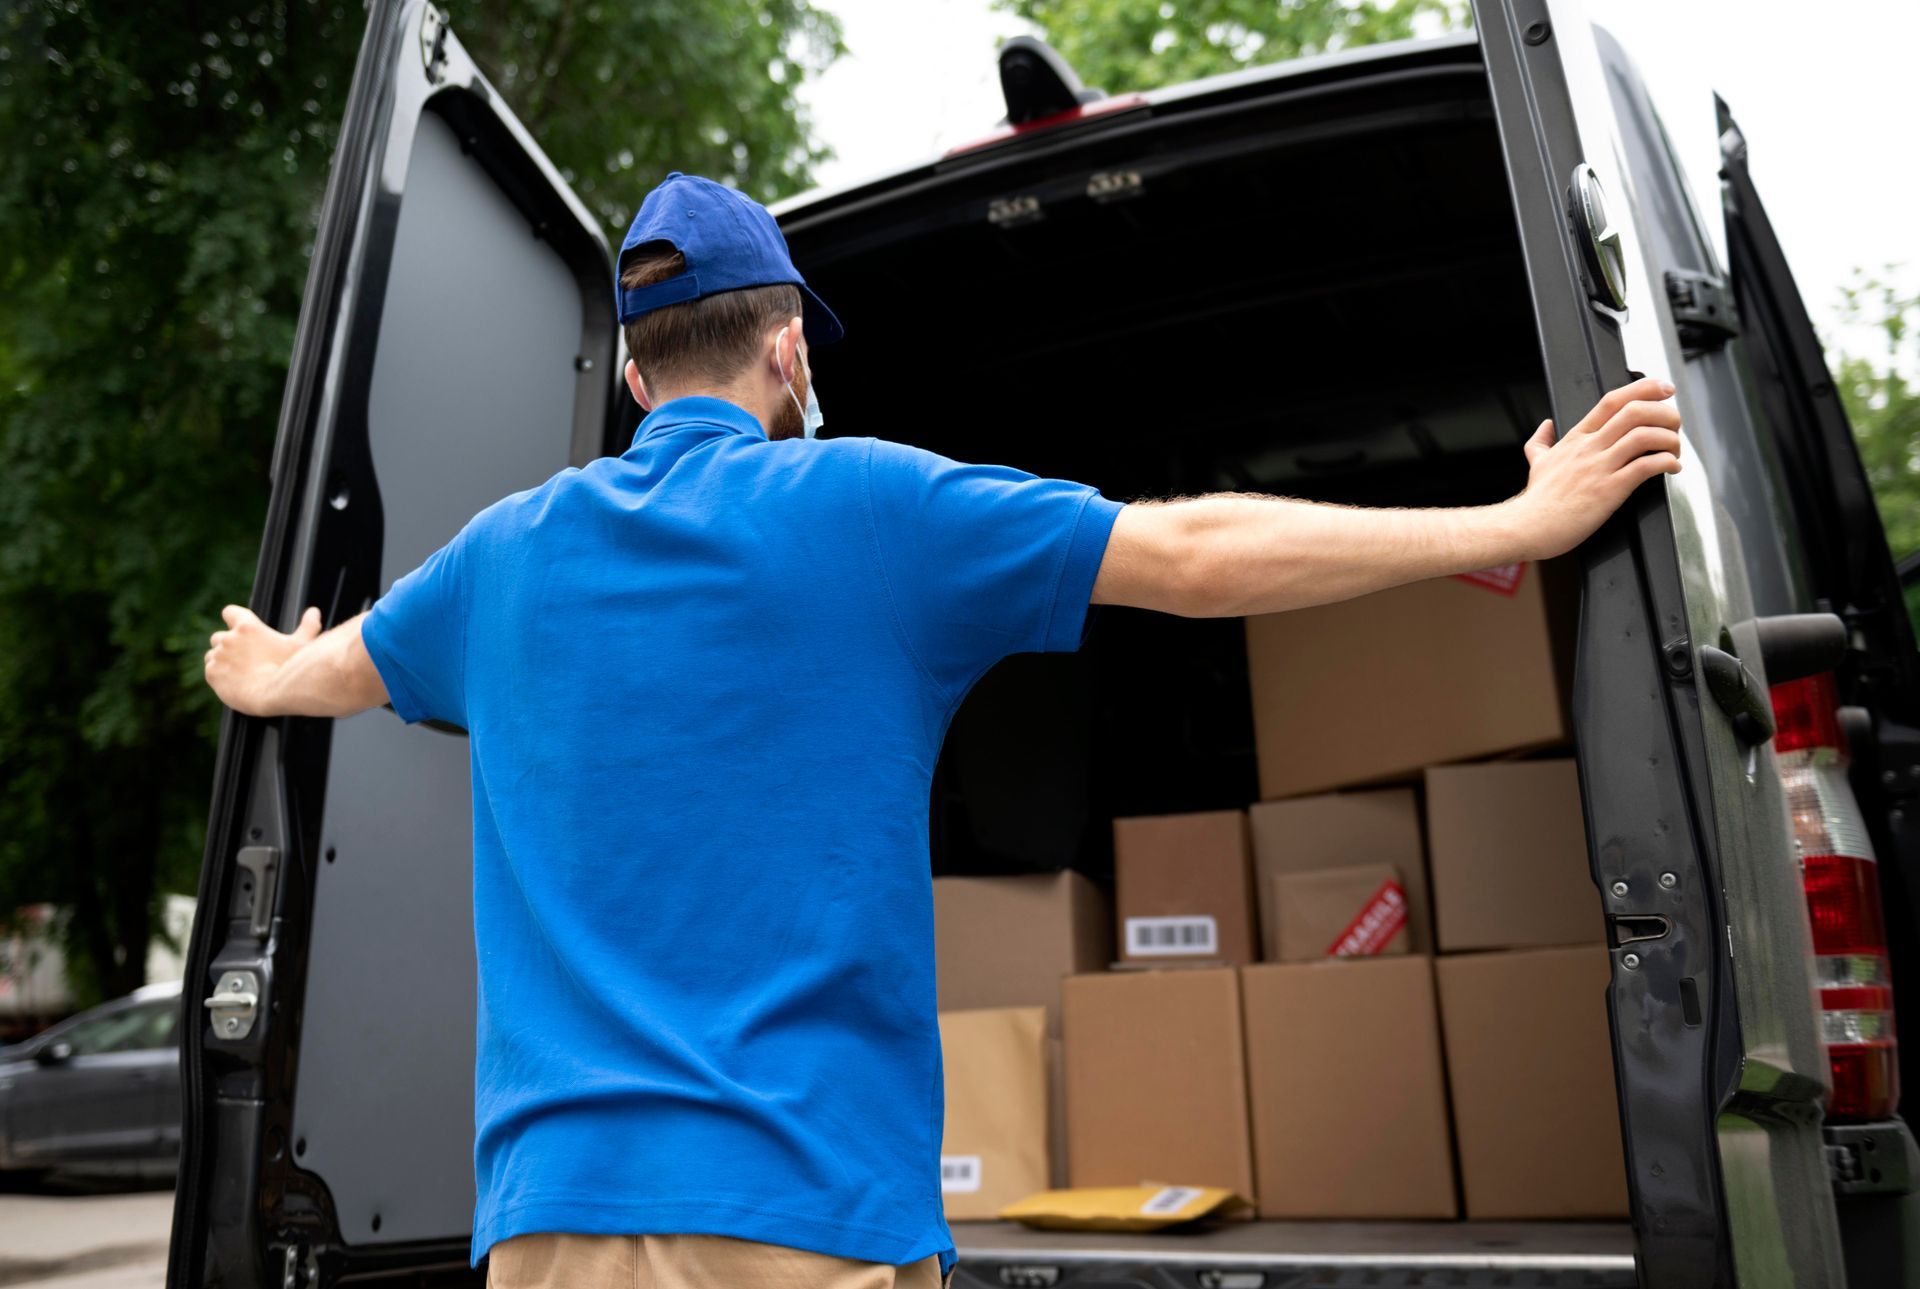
(1549, 1253)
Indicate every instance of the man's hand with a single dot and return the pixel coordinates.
(1574, 483)
(1231, 554)
(258, 671)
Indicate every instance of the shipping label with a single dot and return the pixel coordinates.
(959, 1174)
(1170, 1199)
(1380, 919)
(1504, 578)
(1173, 937)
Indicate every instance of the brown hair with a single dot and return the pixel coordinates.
(710, 339)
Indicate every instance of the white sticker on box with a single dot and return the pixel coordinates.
(1169, 1199)
(959, 1174)
(1173, 937)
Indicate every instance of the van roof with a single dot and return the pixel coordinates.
(1187, 93)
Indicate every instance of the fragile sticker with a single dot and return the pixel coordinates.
(1380, 919)
(1504, 578)
(1193, 936)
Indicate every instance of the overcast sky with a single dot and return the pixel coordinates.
(1828, 95)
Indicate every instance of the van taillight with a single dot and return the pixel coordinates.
(1842, 884)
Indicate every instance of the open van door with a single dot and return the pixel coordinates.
(456, 343)
(1716, 1042)
(1851, 572)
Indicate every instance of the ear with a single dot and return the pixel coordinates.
(638, 386)
(786, 352)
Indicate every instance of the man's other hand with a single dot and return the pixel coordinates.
(243, 661)
(1575, 482)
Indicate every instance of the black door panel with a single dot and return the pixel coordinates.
(456, 344)
(1715, 1046)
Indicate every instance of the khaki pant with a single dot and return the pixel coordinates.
(554, 1260)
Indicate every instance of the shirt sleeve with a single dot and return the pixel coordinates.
(416, 635)
(983, 561)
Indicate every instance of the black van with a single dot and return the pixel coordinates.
(1362, 277)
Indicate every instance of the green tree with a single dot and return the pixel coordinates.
(157, 200)
(1883, 403)
(1124, 45)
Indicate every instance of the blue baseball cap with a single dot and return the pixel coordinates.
(729, 241)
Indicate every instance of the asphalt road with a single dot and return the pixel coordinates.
(92, 1238)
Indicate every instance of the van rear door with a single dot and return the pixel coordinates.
(1850, 571)
(1716, 1045)
(456, 344)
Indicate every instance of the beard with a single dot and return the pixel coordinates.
(788, 422)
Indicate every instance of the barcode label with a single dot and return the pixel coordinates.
(959, 1174)
(1169, 1199)
(1173, 937)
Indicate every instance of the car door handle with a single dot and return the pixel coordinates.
(1738, 694)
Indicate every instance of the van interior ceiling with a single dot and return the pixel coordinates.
(1332, 307)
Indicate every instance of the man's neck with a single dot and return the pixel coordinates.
(753, 403)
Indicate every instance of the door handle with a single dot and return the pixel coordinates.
(1738, 694)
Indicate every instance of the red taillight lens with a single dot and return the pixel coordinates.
(1843, 904)
(1807, 716)
(1842, 884)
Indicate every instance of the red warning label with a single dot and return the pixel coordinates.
(1379, 920)
(1504, 578)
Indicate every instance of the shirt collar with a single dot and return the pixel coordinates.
(701, 411)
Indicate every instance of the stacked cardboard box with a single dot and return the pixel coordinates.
(1313, 1006)
(996, 1146)
(1523, 981)
(1009, 942)
(1156, 1079)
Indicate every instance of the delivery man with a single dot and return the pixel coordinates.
(705, 684)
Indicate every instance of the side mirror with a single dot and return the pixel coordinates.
(58, 1053)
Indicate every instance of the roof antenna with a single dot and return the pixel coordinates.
(1037, 82)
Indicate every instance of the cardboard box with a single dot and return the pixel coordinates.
(1349, 1104)
(1056, 1113)
(1373, 689)
(1530, 1065)
(1183, 885)
(994, 1150)
(1342, 830)
(1509, 848)
(1339, 912)
(1156, 1079)
(1009, 941)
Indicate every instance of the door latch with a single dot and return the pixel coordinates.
(234, 1004)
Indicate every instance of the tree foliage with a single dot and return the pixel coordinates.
(157, 200)
(1125, 45)
(1883, 403)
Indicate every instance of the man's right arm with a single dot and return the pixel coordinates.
(1230, 555)
(258, 671)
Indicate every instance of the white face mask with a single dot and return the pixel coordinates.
(810, 417)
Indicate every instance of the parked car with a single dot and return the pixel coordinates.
(99, 1092)
(1362, 277)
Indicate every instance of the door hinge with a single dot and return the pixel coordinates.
(299, 1266)
(1703, 310)
(1872, 1158)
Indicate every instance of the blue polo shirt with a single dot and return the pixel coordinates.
(705, 684)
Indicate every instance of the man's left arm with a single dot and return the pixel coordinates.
(258, 671)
